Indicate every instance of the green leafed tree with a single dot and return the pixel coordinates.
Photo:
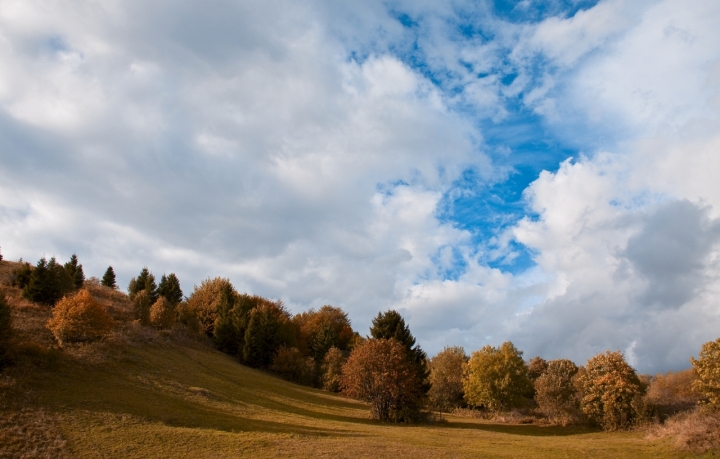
(496, 378)
(707, 367)
(75, 272)
(169, 287)
(269, 327)
(108, 279)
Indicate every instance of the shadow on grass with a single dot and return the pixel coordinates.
(524, 430)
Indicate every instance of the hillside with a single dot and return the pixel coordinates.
(142, 393)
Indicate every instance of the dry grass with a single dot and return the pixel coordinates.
(696, 431)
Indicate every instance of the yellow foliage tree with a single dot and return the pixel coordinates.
(707, 368)
(162, 313)
(79, 318)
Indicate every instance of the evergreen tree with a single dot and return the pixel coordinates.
(75, 271)
(48, 283)
(145, 281)
(324, 340)
(169, 287)
(5, 330)
(226, 334)
(20, 277)
(269, 327)
(1, 258)
(391, 325)
(108, 279)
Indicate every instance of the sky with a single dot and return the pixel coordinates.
(543, 172)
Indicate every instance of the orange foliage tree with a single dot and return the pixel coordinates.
(79, 318)
(378, 371)
(707, 367)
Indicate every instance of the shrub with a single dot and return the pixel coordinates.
(291, 365)
(141, 307)
(446, 378)
(496, 378)
(707, 367)
(79, 318)
(162, 314)
(611, 387)
(332, 366)
(379, 372)
(108, 279)
(672, 392)
(555, 391)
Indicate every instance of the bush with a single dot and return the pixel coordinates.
(446, 378)
(332, 369)
(162, 314)
(672, 392)
(291, 365)
(555, 391)
(496, 378)
(79, 318)
(707, 367)
(611, 389)
(379, 372)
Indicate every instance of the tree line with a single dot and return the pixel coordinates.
(387, 368)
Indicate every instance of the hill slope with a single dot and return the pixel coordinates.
(142, 393)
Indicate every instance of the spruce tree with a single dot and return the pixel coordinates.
(169, 287)
(226, 334)
(37, 287)
(108, 279)
(391, 325)
(145, 281)
(75, 271)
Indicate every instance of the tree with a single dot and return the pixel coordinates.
(446, 378)
(269, 327)
(169, 287)
(145, 281)
(536, 367)
(291, 365)
(162, 313)
(391, 325)
(496, 378)
(108, 279)
(141, 307)
(205, 300)
(48, 283)
(5, 330)
(225, 331)
(379, 372)
(610, 388)
(331, 368)
(75, 272)
(707, 367)
(1, 257)
(320, 330)
(555, 391)
(79, 318)
(20, 277)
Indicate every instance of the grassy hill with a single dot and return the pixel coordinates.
(142, 393)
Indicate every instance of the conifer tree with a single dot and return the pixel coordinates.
(169, 287)
(226, 334)
(108, 279)
(1, 257)
(20, 277)
(36, 289)
(75, 271)
(145, 281)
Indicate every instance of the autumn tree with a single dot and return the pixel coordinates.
(291, 365)
(673, 392)
(446, 378)
(79, 318)
(707, 367)
(5, 330)
(320, 330)
(536, 367)
(496, 378)
(162, 313)
(610, 388)
(144, 282)
(332, 365)
(555, 391)
(205, 300)
(379, 372)
(141, 307)
(108, 279)
(75, 272)
(169, 287)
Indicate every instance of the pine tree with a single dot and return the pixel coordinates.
(170, 288)
(226, 334)
(145, 281)
(108, 279)
(37, 287)
(75, 271)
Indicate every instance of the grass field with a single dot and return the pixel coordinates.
(146, 394)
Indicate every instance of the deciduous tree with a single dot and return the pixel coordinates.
(496, 378)
(610, 388)
(446, 378)
(379, 372)
(331, 368)
(707, 367)
(555, 391)
(162, 313)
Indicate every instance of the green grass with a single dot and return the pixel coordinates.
(171, 401)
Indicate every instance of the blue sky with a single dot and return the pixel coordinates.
(536, 171)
